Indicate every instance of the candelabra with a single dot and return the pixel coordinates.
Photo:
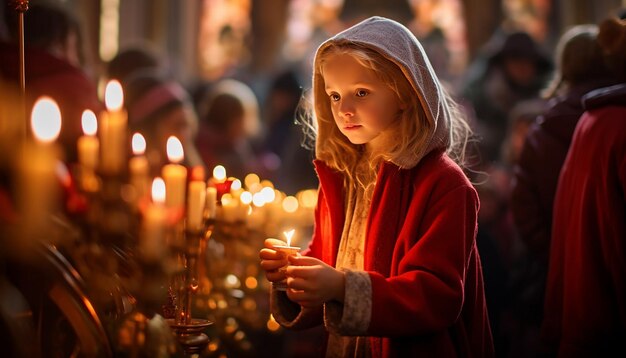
(89, 266)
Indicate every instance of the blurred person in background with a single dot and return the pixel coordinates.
(511, 68)
(159, 107)
(284, 139)
(585, 304)
(132, 59)
(579, 69)
(54, 66)
(229, 128)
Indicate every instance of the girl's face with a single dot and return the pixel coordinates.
(362, 105)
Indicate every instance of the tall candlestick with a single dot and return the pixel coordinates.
(113, 132)
(175, 175)
(37, 184)
(139, 168)
(88, 144)
(152, 244)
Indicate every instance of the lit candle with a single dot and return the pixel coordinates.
(196, 202)
(219, 173)
(244, 205)
(113, 132)
(139, 168)
(235, 187)
(152, 245)
(288, 251)
(37, 184)
(229, 208)
(211, 202)
(219, 181)
(88, 144)
(174, 174)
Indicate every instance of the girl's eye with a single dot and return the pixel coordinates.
(361, 93)
(334, 97)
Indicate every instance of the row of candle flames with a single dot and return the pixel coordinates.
(174, 198)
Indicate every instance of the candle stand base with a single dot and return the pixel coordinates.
(190, 335)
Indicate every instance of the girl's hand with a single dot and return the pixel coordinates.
(311, 282)
(272, 260)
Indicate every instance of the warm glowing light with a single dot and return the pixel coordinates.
(175, 151)
(251, 282)
(139, 144)
(113, 96)
(266, 183)
(272, 325)
(251, 179)
(246, 197)
(109, 29)
(308, 198)
(232, 281)
(46, 120)
(89, 122)
(158, 190)
(290, 204)
(255, 187)
(268, 194)
(258, 200)
(289, 235)
(227, 199)
(235, 185)
(219, 172)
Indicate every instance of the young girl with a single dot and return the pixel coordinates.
(396, 217)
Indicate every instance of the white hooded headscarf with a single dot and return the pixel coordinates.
(396, 43)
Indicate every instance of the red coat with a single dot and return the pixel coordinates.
(421, 256)
(585, 307)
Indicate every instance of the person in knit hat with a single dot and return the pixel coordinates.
(392, 269)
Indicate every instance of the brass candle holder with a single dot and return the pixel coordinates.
(189, 331)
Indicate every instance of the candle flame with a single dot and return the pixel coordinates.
(46, 120)
(113, 96)
(258, 200)
(235, 185)
(246, 197)
(219, 172)
(289, 235)
(175, 151)
(89, 122)
(139, 144)
(268, 194)
(251, 179)
(158, 190)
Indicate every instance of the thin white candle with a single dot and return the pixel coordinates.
(113, 134)
(152, 244)
(139, 167)
(88, 144)
(174, 174)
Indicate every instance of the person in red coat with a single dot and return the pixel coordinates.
(392, 269)
(585, 304)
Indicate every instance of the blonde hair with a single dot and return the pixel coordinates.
(339, 153)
